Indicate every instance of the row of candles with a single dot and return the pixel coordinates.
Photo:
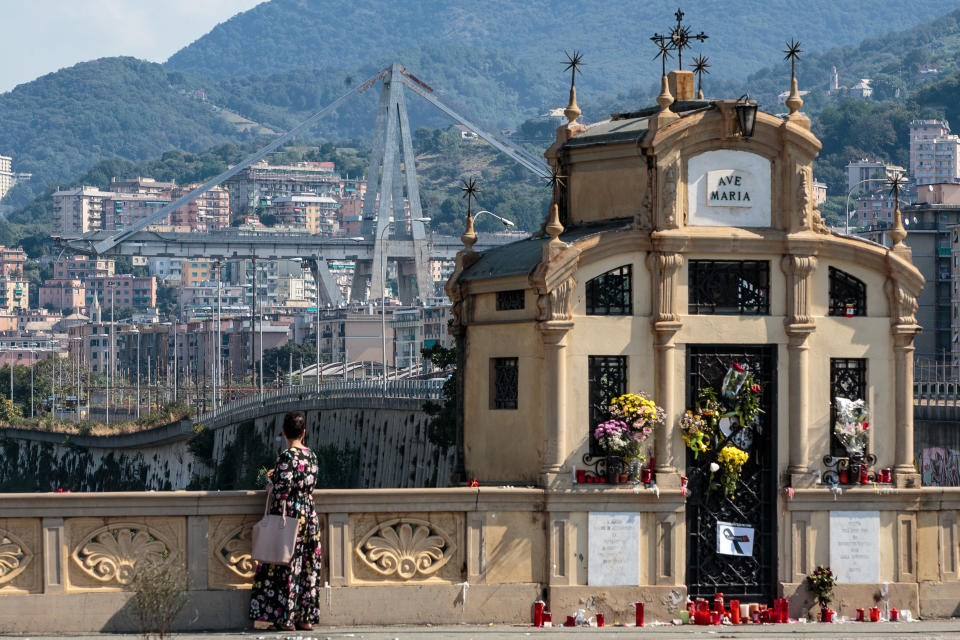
(700, 612)
(543, 618)
(860, 474)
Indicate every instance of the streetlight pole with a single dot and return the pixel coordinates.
(316, 298)
(137, 331)
(506, 223)
(846, 227)
(261, 350)
(218, 365)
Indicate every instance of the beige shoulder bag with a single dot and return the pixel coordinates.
(274, 536)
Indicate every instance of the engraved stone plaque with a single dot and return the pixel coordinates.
(614, 549)
(855, 545)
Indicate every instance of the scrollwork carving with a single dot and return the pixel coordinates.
(234, 551)
(803, 198)
(903, 305)
(798, 269)
(113, 552)
(555, 304)
(665, 267)
(668, 203)
(14, 556)
(406, 547)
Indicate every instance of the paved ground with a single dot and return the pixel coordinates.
(914, 631)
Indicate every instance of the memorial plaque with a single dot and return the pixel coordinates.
(855, 545)
(613, 557)
(727, 188)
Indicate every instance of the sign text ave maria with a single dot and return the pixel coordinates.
(729, 188)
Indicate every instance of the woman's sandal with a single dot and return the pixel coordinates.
(277, 627)
(304, 626)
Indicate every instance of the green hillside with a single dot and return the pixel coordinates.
(745, 36)
(61, 124)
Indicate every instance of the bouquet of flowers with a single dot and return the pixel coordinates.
(731, 461)
(639, 412)
(742, 393)
(695, 430)
(851, 425)
(614, 438)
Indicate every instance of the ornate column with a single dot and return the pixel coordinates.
(904, 328)
(554, 336)
(798, 327)
(665, 267)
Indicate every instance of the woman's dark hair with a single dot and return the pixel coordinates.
(294, 424)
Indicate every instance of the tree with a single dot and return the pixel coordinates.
(442, 429)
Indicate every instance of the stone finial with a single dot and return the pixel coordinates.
(794, 101)
(553, 228)
(665, 99)
(469, 237)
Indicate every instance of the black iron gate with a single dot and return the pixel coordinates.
(755, 501)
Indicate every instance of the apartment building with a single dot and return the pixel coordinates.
(311, 213)
(261, 183)
(207, 212)
(78, 267)
(11, 261)
(78, 210)
(62, 295)
(860, 172)
(934, 152)
(196, 271)
(14, 294)
(8, 177)
(122, 210)
(123, 290)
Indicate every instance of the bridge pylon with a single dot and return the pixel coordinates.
(393, 196)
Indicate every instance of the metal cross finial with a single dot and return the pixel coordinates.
(793, 52)
(896, 184)
(574, 63)
(700, 66)
(680, 37)
(557, 182)
(470, 192)
(663, 43)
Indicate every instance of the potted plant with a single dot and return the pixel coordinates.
(616, 442)
(820, 583)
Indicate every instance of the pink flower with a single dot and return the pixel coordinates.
(865, 425)
(738, 367)
(755, 388)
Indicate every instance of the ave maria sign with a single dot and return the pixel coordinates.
(728, 189)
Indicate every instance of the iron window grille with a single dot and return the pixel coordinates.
(729, 287)
(606, 379)
(512, 300)
(504, 383)
(848, 379)
(611, 293)
(848, 295)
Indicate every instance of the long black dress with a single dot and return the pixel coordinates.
(288, 594)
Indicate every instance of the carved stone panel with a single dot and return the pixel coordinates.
(555, 305)
(20, 560)
(105, 552)
(407, 547)
(229, 565)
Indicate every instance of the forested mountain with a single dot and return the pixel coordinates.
(61, 124)
(744, 36)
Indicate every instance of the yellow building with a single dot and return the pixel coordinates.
(198, 271)
(14, 294)
(685, 244)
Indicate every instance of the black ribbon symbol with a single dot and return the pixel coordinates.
(736, 540)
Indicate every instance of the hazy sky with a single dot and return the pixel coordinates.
(41, 36)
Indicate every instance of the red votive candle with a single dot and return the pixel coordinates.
(874, 614)
(844, 476)
(639, 613)
(581, 475)
(735, 612)
(538, 613)
(718, 602)
(860, 615)
(548, 617)
(784, 610)
(864, 478)
(894, 615)
(571, 622)
(599, 619)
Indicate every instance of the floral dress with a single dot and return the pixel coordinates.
(288, 594)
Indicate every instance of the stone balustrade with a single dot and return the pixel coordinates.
(459, 554)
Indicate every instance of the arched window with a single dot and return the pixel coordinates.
(611, 293)
(848, 295)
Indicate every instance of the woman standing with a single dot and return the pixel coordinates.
(287, 595)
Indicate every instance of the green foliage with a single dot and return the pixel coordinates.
(820, 583)
(160, 592)
(201, 444)
(442, 430)
(122, 109)
(8, 410)
(337, 468)
(276, 361)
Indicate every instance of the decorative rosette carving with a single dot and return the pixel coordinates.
(113, 552)
(14, 556)
(406, 547)
(234, 551)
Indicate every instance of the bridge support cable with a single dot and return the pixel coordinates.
(537, 166)
(105, 245)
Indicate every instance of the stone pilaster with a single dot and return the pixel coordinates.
(665, 267)
(798, 326)
(554, 472)
(904, 471)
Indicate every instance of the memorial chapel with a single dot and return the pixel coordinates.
(684, 246)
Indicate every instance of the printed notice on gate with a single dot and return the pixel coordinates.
(734, 539)
(855, 545)
(614, 549)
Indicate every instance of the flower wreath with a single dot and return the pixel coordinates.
(711, 424)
